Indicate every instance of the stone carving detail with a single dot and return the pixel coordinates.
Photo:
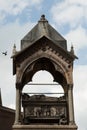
(44, 110)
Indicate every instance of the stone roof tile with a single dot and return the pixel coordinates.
(43, 28)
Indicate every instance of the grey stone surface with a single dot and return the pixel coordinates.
(43, 28)
(44, 127)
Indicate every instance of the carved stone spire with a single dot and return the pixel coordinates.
(72, 50)
(14, 50)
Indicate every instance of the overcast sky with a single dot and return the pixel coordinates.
(69, 17)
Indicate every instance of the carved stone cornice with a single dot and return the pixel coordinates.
(60, 63)
(44, 46)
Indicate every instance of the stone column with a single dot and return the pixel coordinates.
(18, 106)
(70, 104)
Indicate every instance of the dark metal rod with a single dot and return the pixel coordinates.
(44, 93)
(42, 84)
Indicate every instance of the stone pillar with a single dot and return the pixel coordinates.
(70, 104)
(18, 106)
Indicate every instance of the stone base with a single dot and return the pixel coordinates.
(44, 127)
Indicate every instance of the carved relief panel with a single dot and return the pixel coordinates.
(44, 109)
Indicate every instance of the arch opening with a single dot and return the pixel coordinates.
(41, 99)
(39, 95)
(43, 83)
(44, 64)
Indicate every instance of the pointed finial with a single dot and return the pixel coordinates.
(0, 98)
(43, 18)
(72, 49)
(14, 50)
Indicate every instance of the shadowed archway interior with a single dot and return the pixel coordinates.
(44, 64)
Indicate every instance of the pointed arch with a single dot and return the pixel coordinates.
(50, 64)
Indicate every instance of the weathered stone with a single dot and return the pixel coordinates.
(43, 48)
(44, 127)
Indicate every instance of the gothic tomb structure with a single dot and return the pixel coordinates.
(43, 48)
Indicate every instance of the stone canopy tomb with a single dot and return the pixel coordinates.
(43, 48)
